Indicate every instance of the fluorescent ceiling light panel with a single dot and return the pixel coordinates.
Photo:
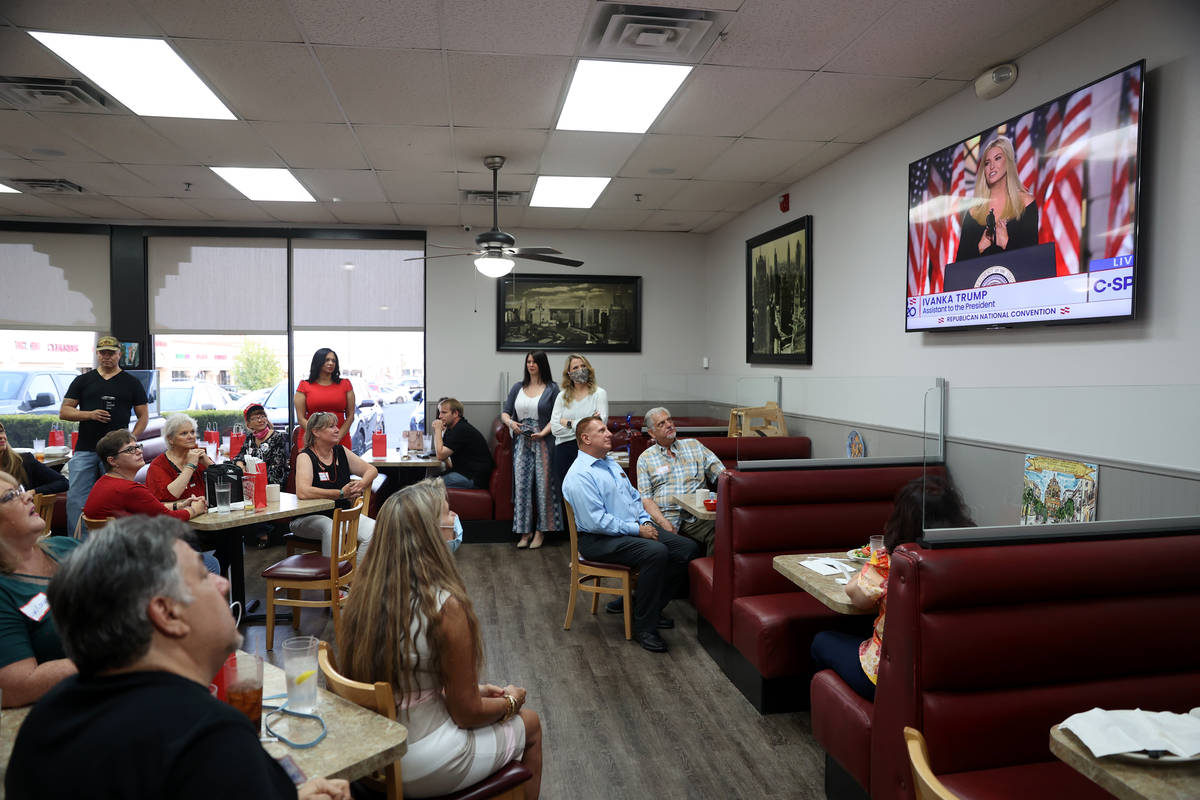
(8, 189)
(146, 75)
(619, 96)
(555, 192)
(265, 183)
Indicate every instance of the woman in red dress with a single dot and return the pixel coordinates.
(325, 390)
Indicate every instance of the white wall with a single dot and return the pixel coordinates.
(858, 206)
(461, 310)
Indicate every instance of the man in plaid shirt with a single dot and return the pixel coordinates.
(674, 466)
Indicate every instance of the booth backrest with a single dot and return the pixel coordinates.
(500, 485)
(988, 647)
(764, 514)
(731, 449)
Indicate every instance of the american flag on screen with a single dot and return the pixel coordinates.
(932, 236)
(1027, 151)
(1119, 239)
(1062, 205)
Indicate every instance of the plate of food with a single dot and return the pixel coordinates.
(860, 554)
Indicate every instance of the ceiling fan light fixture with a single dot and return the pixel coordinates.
(496, 266)
(619, 96)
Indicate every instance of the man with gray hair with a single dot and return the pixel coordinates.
(674, 466)
(147, 626)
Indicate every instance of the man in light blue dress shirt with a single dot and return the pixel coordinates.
(615, 525)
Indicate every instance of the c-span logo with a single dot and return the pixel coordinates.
(995, 276)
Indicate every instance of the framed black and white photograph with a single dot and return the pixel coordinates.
(779, 295)
(596, 313)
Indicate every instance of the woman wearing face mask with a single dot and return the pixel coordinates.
(578, 398)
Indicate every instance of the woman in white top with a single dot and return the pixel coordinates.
(410, 622)
(526, 414)
(578, 398)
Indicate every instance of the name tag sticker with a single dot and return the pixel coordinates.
(663, 470)
(37, 607)
(323, 476)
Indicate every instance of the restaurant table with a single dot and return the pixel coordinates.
(1128, 780)
(688, 501)
(55, 461)
(823, 587)
(357, 741)
(287, 507)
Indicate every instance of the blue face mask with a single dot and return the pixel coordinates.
(456, 542)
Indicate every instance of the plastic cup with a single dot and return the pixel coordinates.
(876, 548)
(273, 493)
(701, 496)
(39, 449)
(243, 679)
(223, 491)
(300, 671)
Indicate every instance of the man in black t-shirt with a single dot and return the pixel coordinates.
(100, 401)
(138, 721)
(458, 442)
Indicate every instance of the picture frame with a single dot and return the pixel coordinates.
(569, 313)
(779, 295)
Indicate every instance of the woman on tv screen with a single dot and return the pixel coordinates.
(1004, 215)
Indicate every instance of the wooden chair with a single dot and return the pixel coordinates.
(926, 784)
(757, 421)
(89, 525)
(317, 572)
(586, 576)
(300, 544)
(44, 503)
(508, 783)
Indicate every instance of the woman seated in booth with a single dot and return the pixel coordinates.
(410, 622)
(179, 471)
(931, 500)
(31, 656)
(325, 470)
(29, 472)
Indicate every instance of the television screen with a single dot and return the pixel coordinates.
(1033, 220)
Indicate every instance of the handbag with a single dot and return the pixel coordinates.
(227, 471)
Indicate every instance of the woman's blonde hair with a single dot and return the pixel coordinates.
(8, 563)
(395, 598)
(10, 462)
(1014, 205)
(318, 422)
(567, 385)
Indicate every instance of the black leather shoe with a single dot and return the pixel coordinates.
(651, 641)
(664, 623)
(615, 606)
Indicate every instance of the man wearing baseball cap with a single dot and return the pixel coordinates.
(100, 401)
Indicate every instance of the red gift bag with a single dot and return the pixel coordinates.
(56, 437)
(378, 444)
(74, 439)
(237, 438)
(212, 434)
(260, 486)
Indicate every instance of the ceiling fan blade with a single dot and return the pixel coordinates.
(543, 251)
(446, 255)
(566, 262)
(446, 246)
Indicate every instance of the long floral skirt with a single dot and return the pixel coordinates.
(535, 496)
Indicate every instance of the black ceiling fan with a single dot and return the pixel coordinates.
(496, 245)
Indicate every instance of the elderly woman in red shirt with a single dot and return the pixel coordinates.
(178, 472)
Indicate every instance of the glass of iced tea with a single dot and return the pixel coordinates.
(243, 680)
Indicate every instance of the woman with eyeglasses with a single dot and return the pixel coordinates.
(31, 656)
(29, 472)
(178, 472)
(118, 494)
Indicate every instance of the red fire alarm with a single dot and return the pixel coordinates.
(785, 203)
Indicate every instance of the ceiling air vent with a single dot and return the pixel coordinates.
(651, 33)
(46, 185)
(484, 198)
(51, 94)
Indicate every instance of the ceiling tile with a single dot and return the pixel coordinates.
(119, 138)
(363, 213)
(426, 215)
(99, 207)
(615, 219)
(551, 218)
(510, 181)
(106, 179)
(349, 185)
(297, 212)
(621, 193)
(217, 142)
(899, 108)
(231, 210)
(262, 20)
(584, 153)
(420, 187)
(388, 87)
(186, 183)
(785, 34)
(314, 145)
(522, 149)
(371, 23)
(756, 159)
(677, 221)
(535, 27)
(830, 103)
(480, 217)
(264, 81)
(716, 196)
(18, 168)
(28, 205)
(21, 54)
(505, 91)
(714, 222)
(21, 134)
(826, 154)
(163, 208)
(744, 97)
(687, 156)
(400, 147)
(80, 16)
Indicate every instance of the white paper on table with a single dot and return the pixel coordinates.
(1128, 731)
(821, 566)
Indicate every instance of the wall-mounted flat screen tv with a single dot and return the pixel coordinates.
(1033, 220)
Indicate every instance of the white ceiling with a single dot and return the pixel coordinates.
(384, 109)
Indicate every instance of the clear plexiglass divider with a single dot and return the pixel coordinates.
(1052, 463)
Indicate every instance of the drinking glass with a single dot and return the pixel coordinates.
(39, 449)
(300, 671)
(243, 679)
(223, 492)
(876, 548)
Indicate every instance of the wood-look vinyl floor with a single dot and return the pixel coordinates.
(618, 721)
